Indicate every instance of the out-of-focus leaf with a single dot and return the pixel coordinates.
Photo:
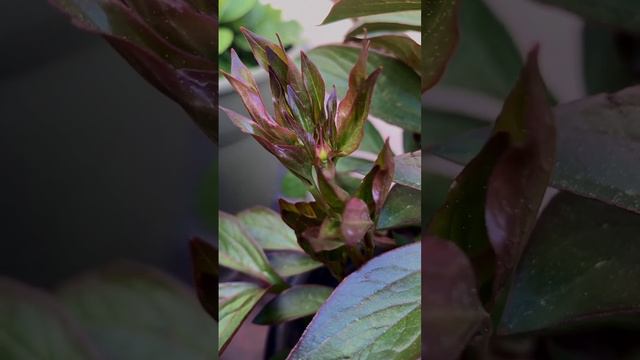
(373, 314)
(434, 195)
(439, 38)
(602, 50)
(288, 263)
(492, 206)
(231, 10)
(400, 47)
(486, 60)
(268, 229)
(580, 267)
(385, 23)
(345, 9)
(174, 49)
(239, 251)
(134, 312)
(372, 141)
(35, 326)
(402, 208)
(205, 273)
(411, 141)
(267, 21)
(591, 132)
(621, 14)
(356, 221)
(453, 313)
(236, 300)
(408, 167)
(441, 127)
(293, 187)
(225, 38)
(396, 102)
(293, 303)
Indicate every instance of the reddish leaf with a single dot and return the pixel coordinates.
(205, 273)
(452, 312)
(355, 221)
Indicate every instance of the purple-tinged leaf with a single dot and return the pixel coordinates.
(315, 86)
(241, 72)
(205, 273)
(373, 314)
(439, 38)
(169, 54)
(520, 179)
(376, 184)
(330, 192)
(243, 123)
(301, 215)
(251, 100)
(294, 303)
(453, 313)
(326, 237)
(356, 221)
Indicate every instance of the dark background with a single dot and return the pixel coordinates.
(96, 165)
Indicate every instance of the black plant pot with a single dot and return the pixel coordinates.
(282, 338)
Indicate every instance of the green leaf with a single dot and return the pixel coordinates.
(35, 326)
(134, 312)
(293, 187)
(345, 9)
(373, 314)
(231, 10)
(236, 300)
(267, 21)
(386, 23)
(289, 263)
(602, 50)
(620, 14)
(591, 132)
(408, 168)
(396, 102)
(453, 313)
(439, 38)
(402, 208)
(580, 267)
(434, 195)
(440, 127)
(205, 272)
(400, 47)
(486, 60)
(239, 251)
(372, 141)
(293, 303)
(225, 38)
(268, 229)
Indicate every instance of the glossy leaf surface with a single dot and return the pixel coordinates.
(401, 47)
(205, 273)
(293, 303)
(440, 126)
(396, 102)
(35, 326)
(236, 300)
(453, 313)
(239, 251)
(345, 9)
(580, 267)
(268, 229)
(591, 132)
(439, 38)
(134, 312)
(374, 313)
(402, 208)
(408, 170)
(288, 263)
